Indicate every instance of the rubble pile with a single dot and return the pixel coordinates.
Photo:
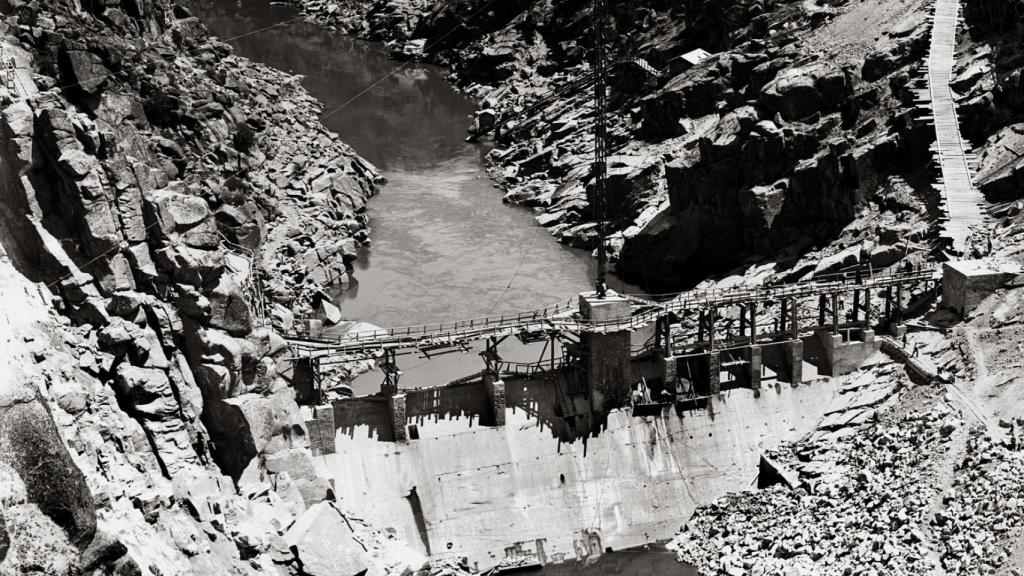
(873, 493)
(982, 513)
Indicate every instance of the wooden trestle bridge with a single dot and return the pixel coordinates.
(692, 320)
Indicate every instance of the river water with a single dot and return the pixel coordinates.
(444, 246)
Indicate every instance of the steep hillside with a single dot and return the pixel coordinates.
(801, 120)
(148, 422)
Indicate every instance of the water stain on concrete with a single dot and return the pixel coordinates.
(485, 489)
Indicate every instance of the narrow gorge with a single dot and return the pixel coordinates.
(308, 288)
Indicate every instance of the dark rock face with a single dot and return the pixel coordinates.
(84, 71)
(910, 47)
(693, 93)
(799, 92)
(770, 139)
(30, 443)
(30, 543)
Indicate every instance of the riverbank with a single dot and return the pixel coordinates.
(439, 202)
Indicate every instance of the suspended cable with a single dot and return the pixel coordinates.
(600, 153)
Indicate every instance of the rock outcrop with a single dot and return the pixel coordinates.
(154, 191)
(30, 541)
(783, 131)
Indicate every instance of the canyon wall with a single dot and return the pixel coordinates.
(798, 124)
(166, 207)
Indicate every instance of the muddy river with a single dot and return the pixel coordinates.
(444, 245)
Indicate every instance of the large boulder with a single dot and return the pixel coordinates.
(248, 425)
(242, 224)
(324, 543)
(35, 544)
(147, 390)
(192, 266)
(229, 310)
(692, 94)
(797, 93)
(83, 70)
(911, 44)
(764, 153)
(32, 447)
(184, 217)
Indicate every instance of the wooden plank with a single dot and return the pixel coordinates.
(961, 201)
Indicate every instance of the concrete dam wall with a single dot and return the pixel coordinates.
(464, 488)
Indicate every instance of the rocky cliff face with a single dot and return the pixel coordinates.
(152, 182)
(798, 121)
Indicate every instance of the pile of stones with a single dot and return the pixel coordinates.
(885, 496)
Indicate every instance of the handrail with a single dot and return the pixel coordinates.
(563, 317)
(252, 288)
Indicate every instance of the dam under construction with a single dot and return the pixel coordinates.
(475, 288)
(614, 440)
(467, 488)
(633, 412)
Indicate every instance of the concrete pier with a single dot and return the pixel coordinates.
(966, 283)
(714, 372)
(396, 412)
(794, 361)
(668, 368)
(608, 353)
(754, 357)
(320, 425)
(898, 331)
(496, 397)
(843, 357)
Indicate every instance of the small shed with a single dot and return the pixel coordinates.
(692, 58)
(965, 283)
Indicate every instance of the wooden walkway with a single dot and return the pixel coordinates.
(963, 206)
(563, 318)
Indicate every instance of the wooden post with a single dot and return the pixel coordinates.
(711, 327)
(668, 337)
(899, 303)
(867, 307)
(795, 319)
(835, 313)
(784, 308)
(856, 305)
(318, 378)
(657, 333)
(753, 322)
